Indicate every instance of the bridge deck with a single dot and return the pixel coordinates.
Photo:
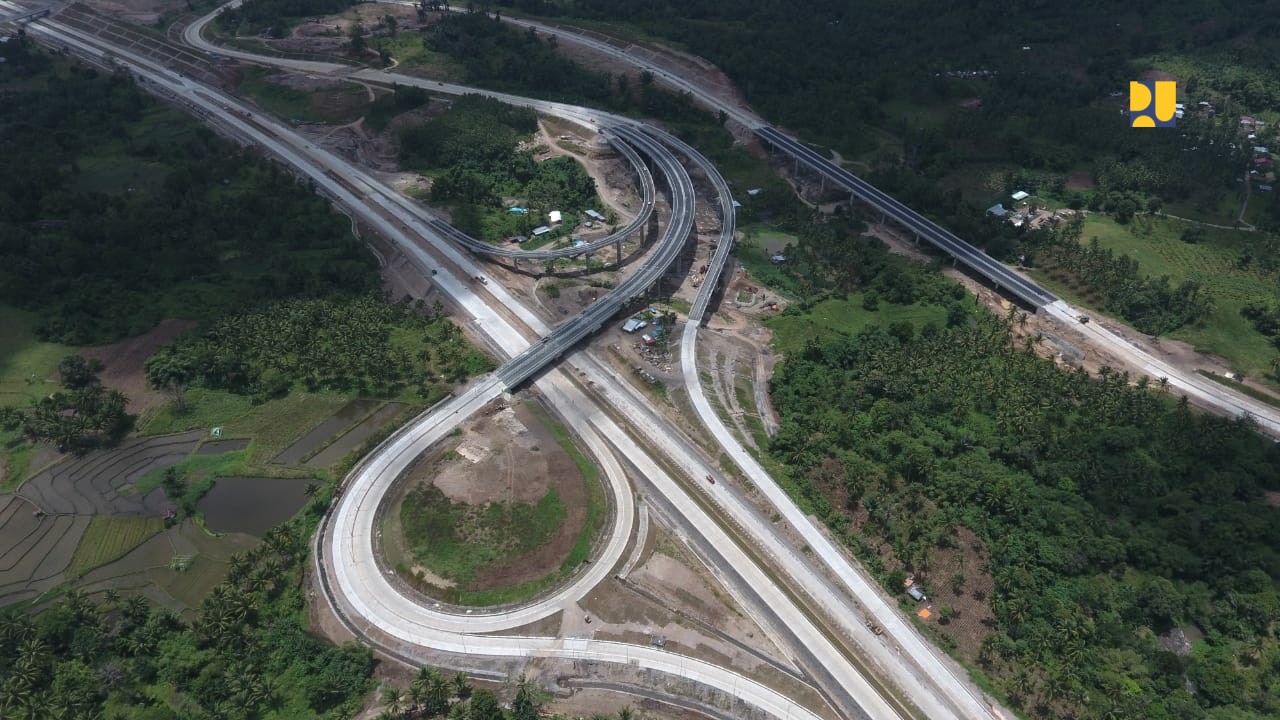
(1001, 276)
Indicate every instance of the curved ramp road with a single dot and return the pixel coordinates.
(322, 167)
(1204, 391)
(412, 623)
(945, 697)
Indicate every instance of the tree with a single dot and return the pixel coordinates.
(484, 705)
(461, 685)
(358, 43)
(523, 707)
(172, 484)
(1193, 234)
(171, 371)
(77, 372)
(392, 698)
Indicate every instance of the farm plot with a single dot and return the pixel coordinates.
(34, 549)
(350, 414)
(356, 436)
(217, 447)
(252, 505)
(98, 482)
(175, 568)
(109, 537)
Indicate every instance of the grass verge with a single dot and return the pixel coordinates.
(1241, 388)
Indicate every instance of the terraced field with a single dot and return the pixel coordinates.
(34, 549)
(43, 524)
(93, 521)
(109, 537)
(100, 483)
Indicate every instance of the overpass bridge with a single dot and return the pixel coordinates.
(1005, 279)
(22, 17)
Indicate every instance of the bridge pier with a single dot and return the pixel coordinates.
(619, 248)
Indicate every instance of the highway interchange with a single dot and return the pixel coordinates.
(617, 426)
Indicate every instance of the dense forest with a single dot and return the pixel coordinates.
(116, 213)
(1109, 513)
(943, 90)
(498, 56)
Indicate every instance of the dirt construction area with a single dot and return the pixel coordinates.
(504, 455)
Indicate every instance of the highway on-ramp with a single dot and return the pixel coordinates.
(372, 593)
(369, 589)
(1204, 392)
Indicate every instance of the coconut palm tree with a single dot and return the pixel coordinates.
(461, 685)
(392, 698)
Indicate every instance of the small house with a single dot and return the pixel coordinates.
(736, 204)
(519, 239)
(1264, 188)
(777, 259)
(1020, 195)
(997, 210)
(554, 216)
(1247, 122)
(648, 339)
(754, 191)
(916, 593)
(519, 211)
(594, 215)
(633, 324)
(541, 230)
(1260, 150)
